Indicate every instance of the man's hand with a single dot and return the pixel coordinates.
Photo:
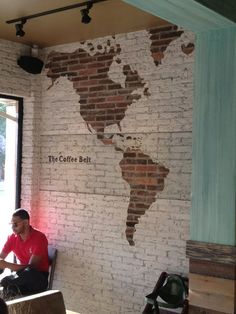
(2, 264)
(1, 268)
(12, 266)
(2, 257)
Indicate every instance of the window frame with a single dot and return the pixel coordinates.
(19, 146)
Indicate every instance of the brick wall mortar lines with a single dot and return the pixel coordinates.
(13, 80)
(31, 148)
(99, 253)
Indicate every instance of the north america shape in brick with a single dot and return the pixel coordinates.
(103, 102)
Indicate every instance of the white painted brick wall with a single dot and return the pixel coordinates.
(83, 207)
(94, 257)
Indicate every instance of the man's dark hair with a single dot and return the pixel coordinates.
(22, 213)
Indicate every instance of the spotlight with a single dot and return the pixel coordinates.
(85, 14)
(19, 28)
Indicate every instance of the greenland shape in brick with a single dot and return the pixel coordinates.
(161, 39)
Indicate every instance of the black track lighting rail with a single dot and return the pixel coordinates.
(69, 7)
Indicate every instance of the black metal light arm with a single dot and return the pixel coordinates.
(69, 7)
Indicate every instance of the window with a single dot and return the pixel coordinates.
(11, 116)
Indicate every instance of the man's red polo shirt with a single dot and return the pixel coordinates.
(35, 244)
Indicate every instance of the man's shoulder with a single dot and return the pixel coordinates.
(12, 237)
(38, 234)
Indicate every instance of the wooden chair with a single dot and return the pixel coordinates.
(52, 256)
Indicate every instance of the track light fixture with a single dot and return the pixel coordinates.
(19, 28)
(84, 12)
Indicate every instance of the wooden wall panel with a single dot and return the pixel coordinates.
(212, 293)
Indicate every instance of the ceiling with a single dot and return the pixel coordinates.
(108, 18)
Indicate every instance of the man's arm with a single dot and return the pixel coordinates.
(12, 266)
(33, 262)
(3, 255)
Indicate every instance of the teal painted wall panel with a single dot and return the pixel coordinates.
(214, 138)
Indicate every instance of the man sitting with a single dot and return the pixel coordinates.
(30, 247)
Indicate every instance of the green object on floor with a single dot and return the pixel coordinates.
(171, 292)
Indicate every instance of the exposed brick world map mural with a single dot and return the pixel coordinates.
(104, 102)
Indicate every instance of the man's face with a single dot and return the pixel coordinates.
(19, 225)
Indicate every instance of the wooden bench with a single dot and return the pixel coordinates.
(48, 302)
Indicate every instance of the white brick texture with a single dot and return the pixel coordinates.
(81, 204)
